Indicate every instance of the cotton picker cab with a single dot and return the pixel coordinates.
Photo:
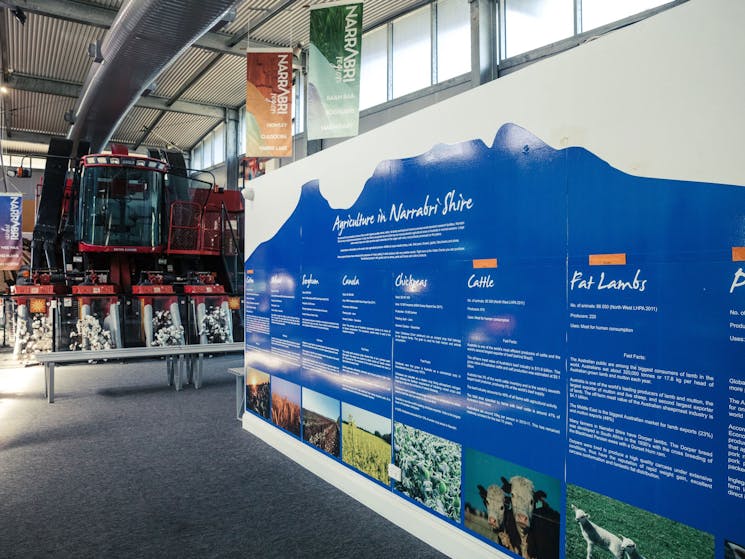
(119, 229)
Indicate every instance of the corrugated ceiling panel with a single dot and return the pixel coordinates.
(113, 4)
(51, 48)
(37, 112)
(188, 64)
(288, 28)
(11, 146)
(374, 13)
(224, 84)
(57, 49)
(292, 26)
(247, 10)
(131, 128)
(180, 130)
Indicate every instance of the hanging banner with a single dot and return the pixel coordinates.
(269, 102)
(334, 71)
(11, 240)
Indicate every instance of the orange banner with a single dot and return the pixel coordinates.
(269, 103)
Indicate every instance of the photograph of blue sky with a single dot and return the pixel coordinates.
(286, 389)
(366, 420)
(321, 404)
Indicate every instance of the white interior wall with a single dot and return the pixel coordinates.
(660, 98)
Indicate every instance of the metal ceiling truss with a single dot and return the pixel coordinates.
(99, 16)
(65, 89)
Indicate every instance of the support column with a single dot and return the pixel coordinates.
(49, 374)
(484, 41)
(232, 163)
(313, 146)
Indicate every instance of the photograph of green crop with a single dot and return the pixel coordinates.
(326, 28)
(366, 441)
(652, 536)
(430, 469)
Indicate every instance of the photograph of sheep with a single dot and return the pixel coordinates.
(366, 441)
(321, 421)
(599, 526)
(257, 392)
(286, 405)
(512, 506)
(430, 469)
(733, 550)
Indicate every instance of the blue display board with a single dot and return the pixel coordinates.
(540, 344)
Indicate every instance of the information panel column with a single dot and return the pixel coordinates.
(257, 309)
(272, 359)
(365, 340)
(651, 363)
(428, 351)
(731, 429)
(321, 314)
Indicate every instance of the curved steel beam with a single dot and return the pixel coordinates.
(144, 38)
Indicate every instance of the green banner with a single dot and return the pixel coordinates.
(334, 71)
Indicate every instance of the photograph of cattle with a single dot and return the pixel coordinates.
(512, 506)
(321, 421)
(286, 405)
(366, 441)
(430, 469)
(733, 550)
(601, 527)
(257, 392)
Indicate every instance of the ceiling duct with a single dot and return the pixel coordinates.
(144, 38)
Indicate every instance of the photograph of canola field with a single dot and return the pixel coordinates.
(366, 441)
